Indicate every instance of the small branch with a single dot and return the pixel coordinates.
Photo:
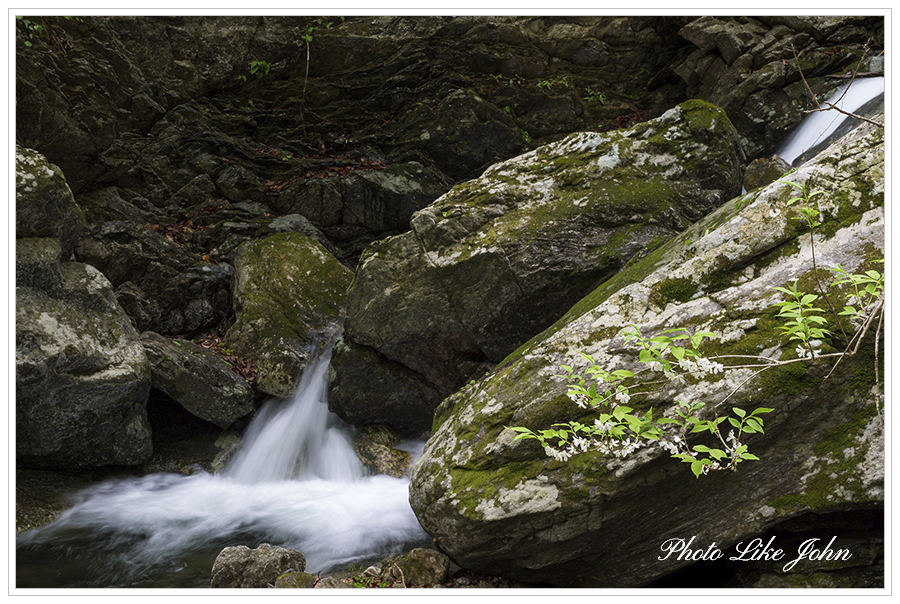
(831, 107)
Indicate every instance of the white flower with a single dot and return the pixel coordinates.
(803, 353)
(622, 396)
(558, 455)
(675, 378)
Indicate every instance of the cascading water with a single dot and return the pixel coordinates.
(824, 127)
(296, 483)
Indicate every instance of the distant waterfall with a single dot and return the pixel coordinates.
(823, 127)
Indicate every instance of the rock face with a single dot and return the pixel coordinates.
(161, 285)
(499, 258)
(503, 506)
(289, 294)
(244, 567)
(377, 117)
(199, 381)
(748, 66)
(82, 378)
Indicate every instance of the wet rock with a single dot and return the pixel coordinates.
(82, 378)
(289, 295)
(198, 380)
(241, 566)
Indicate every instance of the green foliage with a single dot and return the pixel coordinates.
(868, 287)
(32, 29)
(810, 213)
(315, 25)
(592, 95)
(803, 318)
(525, 136)
(259, 68)
(549, 84)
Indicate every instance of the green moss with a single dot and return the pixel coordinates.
(839, 473)
(674, 289)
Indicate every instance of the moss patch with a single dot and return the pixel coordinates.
(672, 290)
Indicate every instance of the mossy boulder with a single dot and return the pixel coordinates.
(82, 378)
(502, 505)
(498, 259)
(289, 295)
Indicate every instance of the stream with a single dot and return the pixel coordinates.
(296, 483)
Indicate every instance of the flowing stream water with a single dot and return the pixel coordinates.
(297, 483)
(818, 130)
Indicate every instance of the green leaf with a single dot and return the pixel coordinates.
(755, 425)
(696, 467)
(739, 412)
(750, 456)
(620, 412)
(677, 352)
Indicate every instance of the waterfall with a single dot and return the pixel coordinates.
(298, 438)
(296, 483)
(822, 128)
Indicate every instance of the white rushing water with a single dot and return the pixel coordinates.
(297, 483)
(818, 128)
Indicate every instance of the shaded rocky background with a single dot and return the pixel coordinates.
(187, 229)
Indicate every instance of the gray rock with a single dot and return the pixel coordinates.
(418, 567)
(501, 505)
(196, 379)
(82, 378)
(763, 171)
(162, 285)
(45, 206)
(241, 566)
(498, 259)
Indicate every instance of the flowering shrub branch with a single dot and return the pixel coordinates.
(673, 357)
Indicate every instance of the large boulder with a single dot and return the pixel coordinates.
(82, 378)
(289, 295)
(500, 505)
(198, 380)
(45, 206)
(497, 259)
